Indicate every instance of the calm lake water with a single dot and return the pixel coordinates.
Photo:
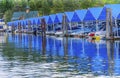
(30, 56)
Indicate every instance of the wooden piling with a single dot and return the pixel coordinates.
(109, 32)
(82, 25)
(97, 25)
(111, 26)
(13, 28)
(64, 25)
(19, 27)
(43, 24)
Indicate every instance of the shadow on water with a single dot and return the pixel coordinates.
(73, 56)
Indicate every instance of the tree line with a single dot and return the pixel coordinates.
(46, 7)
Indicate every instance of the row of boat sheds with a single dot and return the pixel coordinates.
(93, 21)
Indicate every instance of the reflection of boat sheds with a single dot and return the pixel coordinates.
(117, 67)
(82, 56)
(117, 59)
(84, 22)
(98, 62)
(83, 61)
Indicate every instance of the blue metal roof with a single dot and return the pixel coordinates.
(31, 21)
(69, 16)
(115, 9)
(79, 15)
(34, 21)
(75, 18)
(118, 17)
(51, 19)
(102, 14)
(8, 23)
(89, 16)
(15, 23)
(1, 20)
(58, 18)
(23, 23)
(38, 20)
(46, 18)
(96, 11)
(26, 22)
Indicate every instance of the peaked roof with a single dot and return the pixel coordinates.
(75, 18)
(79, 15)
(22, 23)
(51, 19)
(39, 21)
(69, 16)
(58, 18)
(102, 14)
(115, 9)
(118, 17)
(96, 11)
(89, 16)
(46, 18)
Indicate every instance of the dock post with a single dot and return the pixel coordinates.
(53, 27)
(82, 25)
(13, 28)
(70, 25)
(19, 27)
(97, 25)
(28, 25)
(43, 24)
(109, 32)
(115, 34)
(64, 25)
(111, 25)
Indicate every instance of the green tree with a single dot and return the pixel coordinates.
(8, 15)
(57, 6)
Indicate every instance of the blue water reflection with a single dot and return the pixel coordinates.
(81, 55)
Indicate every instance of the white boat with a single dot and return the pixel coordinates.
(101, 34)
(59, 33)
(50, 32)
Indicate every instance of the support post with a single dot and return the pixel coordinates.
(43, 24)
(109, 32)
(53, 27)
(117, 34)
(111, 26)
(70, 24)
(97, 25)
(64, 25)
(47, 27)
(13, 28)
(82, 27)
